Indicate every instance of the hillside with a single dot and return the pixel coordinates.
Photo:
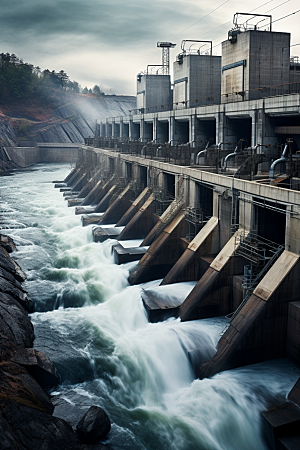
(69, 117)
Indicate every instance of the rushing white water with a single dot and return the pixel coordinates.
(94, 327)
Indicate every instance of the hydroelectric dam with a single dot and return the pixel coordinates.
(199, 246)
(164, 264)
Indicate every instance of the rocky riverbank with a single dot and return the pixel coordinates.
(6, 164)
(26, 420)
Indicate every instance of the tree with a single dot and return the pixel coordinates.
(63, 78)
(37, 70)
(97, 90)
(73, 86)
(20, 80)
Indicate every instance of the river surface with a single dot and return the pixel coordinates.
(93, 326)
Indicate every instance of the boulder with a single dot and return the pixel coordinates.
(11, 266)
(93, 426)
(17, 385)
(15, 291)
(14, 321)
(26, 420)
(7, 243)
(9, 276)
(8, 438)
(39, 366)
(26, 428)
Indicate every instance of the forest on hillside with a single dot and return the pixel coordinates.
(20, 80)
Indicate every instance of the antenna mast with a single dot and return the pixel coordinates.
(165, 46)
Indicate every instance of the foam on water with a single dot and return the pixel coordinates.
(65, 267)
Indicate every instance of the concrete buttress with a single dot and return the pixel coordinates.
(142, 222)
(133, 209)
(116, 210)
(92, 196)
(168, 215)
(98, 195)
(162, 253)
(190, 266)
(258, 332)
(70, 175)
(74, 178)
(211, 297)
(80, 183)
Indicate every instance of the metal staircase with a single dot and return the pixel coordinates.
(261, 254)
(162, 199)
(234, 210)
(196, 219)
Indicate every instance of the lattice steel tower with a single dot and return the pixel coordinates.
(165, 46)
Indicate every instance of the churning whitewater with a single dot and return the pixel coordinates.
(94, 327)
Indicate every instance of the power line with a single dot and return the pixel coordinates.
(223, 34)
(218, 7)
(278, 6)
(229, 21)
(277, 20)
(200, 19)
(272, 9)
(296, 12)
(226, 23)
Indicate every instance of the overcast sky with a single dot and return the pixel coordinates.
(109, 42)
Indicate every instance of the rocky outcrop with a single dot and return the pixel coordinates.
(26, 420)
(7, 243)
(71, 118)
(76, 115)
(24, 427)
(7, 133)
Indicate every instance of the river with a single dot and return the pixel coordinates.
(94, 327)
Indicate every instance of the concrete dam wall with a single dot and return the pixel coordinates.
(44, 153)
(184, 219)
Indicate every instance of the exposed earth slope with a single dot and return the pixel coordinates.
(69, 117)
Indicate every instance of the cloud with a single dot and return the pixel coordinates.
(95, 40)
(118, 22)
(109, 42)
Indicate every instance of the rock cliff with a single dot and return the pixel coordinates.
(69, 117)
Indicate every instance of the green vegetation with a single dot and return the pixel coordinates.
(22, 81)
(21, 128)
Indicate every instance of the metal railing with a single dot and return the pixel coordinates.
(162, 199)
(181, 154)
(262, 254)
(255, 248)
(231, 97)
(196, 218)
